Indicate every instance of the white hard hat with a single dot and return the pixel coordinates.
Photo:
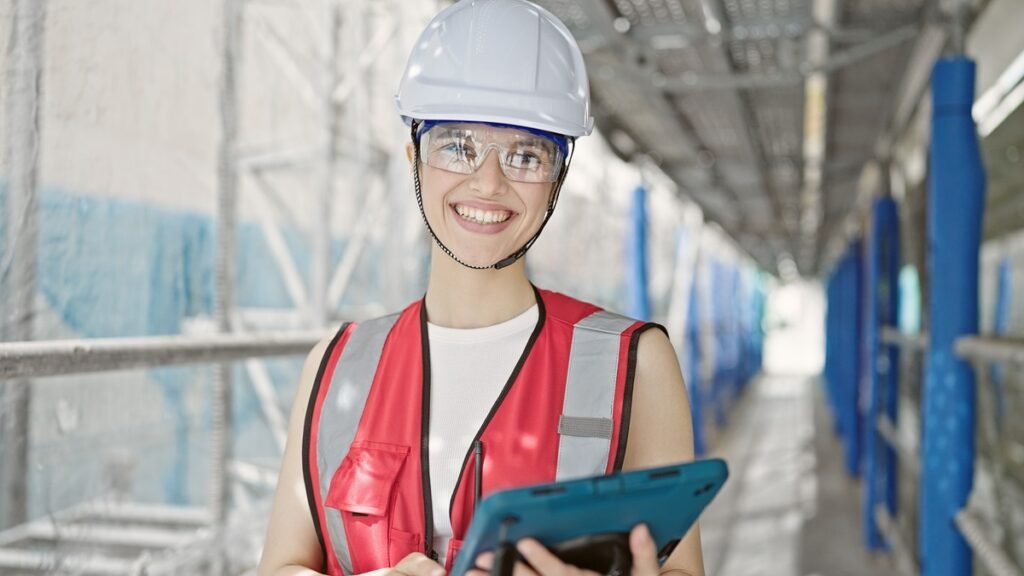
(498, 61)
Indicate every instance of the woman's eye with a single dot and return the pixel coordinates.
(524, 160)
(458, 150)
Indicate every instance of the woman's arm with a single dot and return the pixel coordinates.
(661, 431)
(291, 547)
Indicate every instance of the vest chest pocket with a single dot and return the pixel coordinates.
(363, 491)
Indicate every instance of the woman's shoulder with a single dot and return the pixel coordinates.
(572, 310)
(565, 308)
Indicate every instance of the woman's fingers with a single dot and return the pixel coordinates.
(485, 563)
(418, 564)
(543, 561)
(485, 560)
(645, 552)
(523, 570)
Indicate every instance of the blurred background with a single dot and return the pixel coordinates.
(193, 193)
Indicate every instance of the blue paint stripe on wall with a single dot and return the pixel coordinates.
(115, 267)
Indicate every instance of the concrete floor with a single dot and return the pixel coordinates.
(788, 509)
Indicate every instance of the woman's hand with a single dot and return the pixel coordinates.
(415, 564)
(544, 563)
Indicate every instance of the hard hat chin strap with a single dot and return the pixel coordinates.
(511, 258)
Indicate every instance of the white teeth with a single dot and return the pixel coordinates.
(482, 216)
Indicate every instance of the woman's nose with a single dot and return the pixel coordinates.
(489, 179)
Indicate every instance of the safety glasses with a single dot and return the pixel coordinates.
(524, 155)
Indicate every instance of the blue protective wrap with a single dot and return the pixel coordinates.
(639, 303)
(1000, 323)
(956, 200)
(881, 365)
(851, 329)
(693, 372)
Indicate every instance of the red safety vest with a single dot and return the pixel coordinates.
(564, 413)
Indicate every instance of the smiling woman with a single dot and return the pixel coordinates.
(487, 190)
(403, 422)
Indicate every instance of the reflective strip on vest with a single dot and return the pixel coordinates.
(585, 428)
(340, 414)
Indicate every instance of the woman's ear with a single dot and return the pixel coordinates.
(409, 152)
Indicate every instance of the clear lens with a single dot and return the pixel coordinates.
(462, 148)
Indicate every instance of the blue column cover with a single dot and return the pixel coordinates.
(639, 302)
(956, 194)
(851, 377)
(696, 386)
(1000, 323)
(841, 337)
(831, 312)
(881, 362)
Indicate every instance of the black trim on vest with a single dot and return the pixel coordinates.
(541, 316)
(428, 501)
(307, 426)
(627, 399)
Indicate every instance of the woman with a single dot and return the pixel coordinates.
(395, 416)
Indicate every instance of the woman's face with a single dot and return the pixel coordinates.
(484, 216)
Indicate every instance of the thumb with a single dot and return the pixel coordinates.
(645, 553)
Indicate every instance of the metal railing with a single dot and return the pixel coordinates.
(986, 349)
(980, 350)
(894, 337)
(985, 547)
(910, 455)
(62, 357)
(177, 536)
(891, 531)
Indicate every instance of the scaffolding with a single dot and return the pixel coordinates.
(156, 539)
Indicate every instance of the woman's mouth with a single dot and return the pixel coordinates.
(476, 219)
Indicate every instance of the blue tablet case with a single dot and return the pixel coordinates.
(668, 499)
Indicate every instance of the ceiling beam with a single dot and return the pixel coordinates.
(749, 120)
(601, 14)
(692, 82)
(768, 29)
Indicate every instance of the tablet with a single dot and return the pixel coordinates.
(570, 515)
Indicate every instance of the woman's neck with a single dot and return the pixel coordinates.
(460, 297)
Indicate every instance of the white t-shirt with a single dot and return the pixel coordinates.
(468, 369)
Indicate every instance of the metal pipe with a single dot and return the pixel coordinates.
(191, 516)
(292, 158)
(894, 337)
(280, 253)
(891, 532)
(355, 77)
(224, 299)
(373, 208)
(887, 430)
(18, 267)
(61, 357)
(97, 534)
(755, 80)
(253, 475)
(985, 349)
(51, 563)
(263, 386)
(288, 60)
(271, 195)
(880, 43)
(990, 554)
(321, 265)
